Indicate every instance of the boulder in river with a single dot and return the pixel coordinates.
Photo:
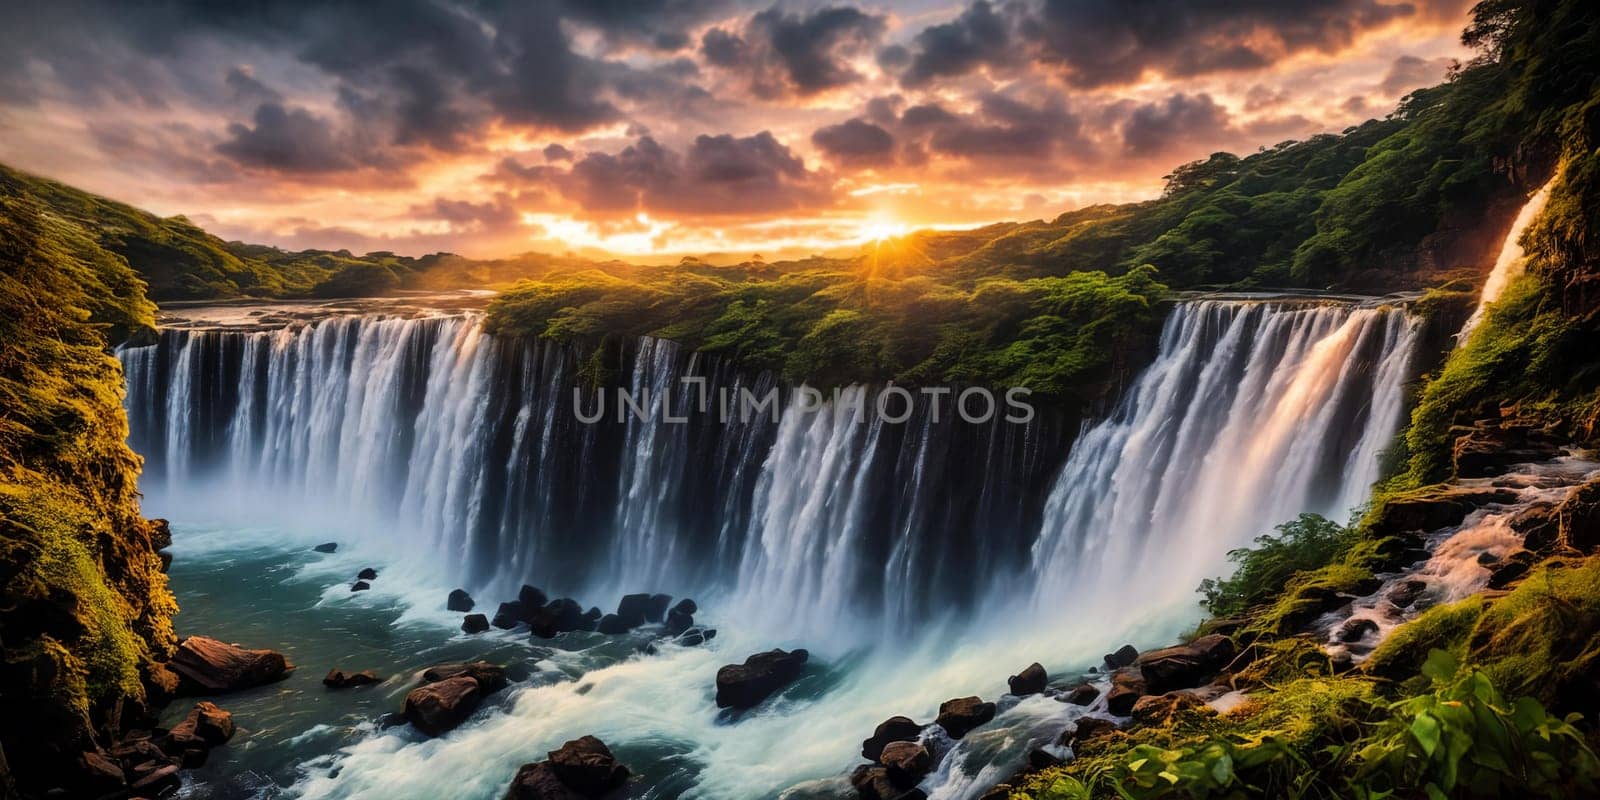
(207, 666)
(587, 766)
(745, 685)
(1031, 680)
(207, 726)
(611, 625)
(893, 729)
(360, 586)
(459, 600)
(679, 621)
(686, 606)
(1081, 695)
(474, 623)
(1123, 657)
(655, 610)
(872, 782)
(959, 716)
(508, 615)
(490, 677)
(561, 615)
(1087, 728)
(538, 781)
(634, 608)
(438, 707)
(532, 596)
(1185, 665)
(908, 762)
(1127, 686)
(326, 547)
(367, 574)
(339, 679)
(1579, 518)
(697, 636)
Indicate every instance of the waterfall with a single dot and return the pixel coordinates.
(1511, 261)
(468, 452)
(1251, 414)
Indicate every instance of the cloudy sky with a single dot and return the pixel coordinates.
(673, 126)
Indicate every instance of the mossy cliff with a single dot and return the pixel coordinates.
(85, 614)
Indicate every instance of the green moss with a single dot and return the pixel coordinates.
(1445, 627)
(1307, 595)
(1543, 638)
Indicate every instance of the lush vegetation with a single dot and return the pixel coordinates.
(1301, 545)
(84, 607)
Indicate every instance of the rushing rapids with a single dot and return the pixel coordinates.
(1022, 541)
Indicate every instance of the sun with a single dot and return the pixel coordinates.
(877, 229)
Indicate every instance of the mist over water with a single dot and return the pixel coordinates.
(919, 561)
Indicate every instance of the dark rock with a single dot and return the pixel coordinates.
(508, 615)
(893, 729)
(1353, 630)
(160, 534)
(490, 677)
(686, 606)
(1127, 686)
(97, 775)
(872, 782)
(634, 608)
(961, 715)
(697, 636)
(745, 685)
(360, 586)
(193, 758)
(678, 622)
(459, 600)
(1185, 665)
(656, 609)
(1507, 574)
(1437, 508)
(1040, 758)
(1081, 695)
(166, 560)
(1157, 709)
(594, 613)
(532, 596)
(339, 679)
(1312, 603)
(611, 625)
(1088, 728)
(367, 574)
(1491, 447)
(587, 766)
(474, 623)
(133, 752)
(207, 726)
(1406, 592)
(908, 762)
(539, 782)
(1124, 657)
(1579, 518)
(1539, 524)
(438, 707)
(207, 666)
(158, 781)
(562, 615)
(1031, 680)
(326, 547)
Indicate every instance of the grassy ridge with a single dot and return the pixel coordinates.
(85, 612)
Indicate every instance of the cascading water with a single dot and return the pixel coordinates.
(917, 558)
(1511, 260)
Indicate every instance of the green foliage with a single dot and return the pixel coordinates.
(1066, 337)
(1306, 543)
(1465, 739)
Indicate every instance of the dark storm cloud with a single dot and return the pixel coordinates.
(287, 140)
(715, 175)
(782, 54)
(1410, 72)
(1159, 128)
(1092, 43)
(855, 142)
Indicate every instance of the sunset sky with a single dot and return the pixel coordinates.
(668, 127)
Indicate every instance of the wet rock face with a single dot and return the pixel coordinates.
(1081, 695)
(1579, 518)
(539, 782)
(745, 685)
(207, 666)
(587, 766)
(907, 762)
(1031, 680)
(474, 623)
(459, 600)
(439, 707)
(1440, 508)
(1124, 657)
(339, 679)
(1185, 665)
(959, 716)
(893, 729)
(1492, 447)
(490, 677)
(1127, 686)
(1088, 728)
